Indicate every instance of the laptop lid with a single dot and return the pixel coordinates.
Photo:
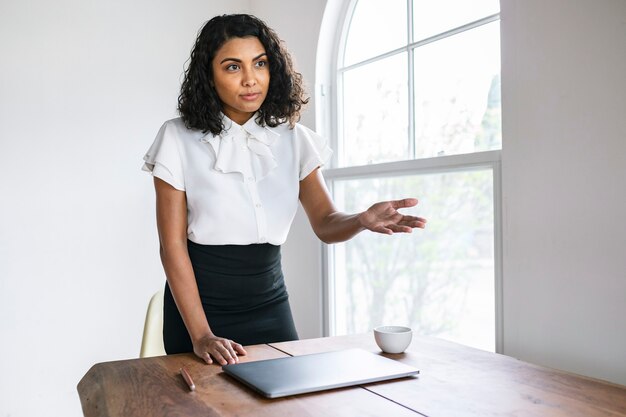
(275, 378)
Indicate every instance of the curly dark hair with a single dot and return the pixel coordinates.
(199, 104)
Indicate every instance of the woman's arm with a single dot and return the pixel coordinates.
(332, 226)
(172, 225)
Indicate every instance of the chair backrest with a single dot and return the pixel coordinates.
(152, 341)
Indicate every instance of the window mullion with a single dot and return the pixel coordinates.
(455, 31)
(340, 133)
(439, 164)
(411, 81)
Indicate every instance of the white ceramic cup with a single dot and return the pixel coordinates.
(393, 339)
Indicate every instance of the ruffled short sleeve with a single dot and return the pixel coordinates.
(313, 150)
(163, 159)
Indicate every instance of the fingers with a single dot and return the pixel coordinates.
(382, 229)
(418, 223)
(405, 225)
(224, 354)
(223, 351)
(231, 351)
(396, 228)
(206, 357)
(239, 349)
(405, 202)
(412, 221)
(384, 218)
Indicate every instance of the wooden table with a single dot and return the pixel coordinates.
(455, 381)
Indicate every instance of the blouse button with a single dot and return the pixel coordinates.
(258, 205)
(250, 179)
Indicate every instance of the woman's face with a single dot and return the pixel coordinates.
(241, 76)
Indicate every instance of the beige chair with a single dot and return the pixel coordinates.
(152, 341)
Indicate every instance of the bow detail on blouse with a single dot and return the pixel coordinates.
(244, 149)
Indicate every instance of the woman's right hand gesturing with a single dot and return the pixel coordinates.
(223, 351)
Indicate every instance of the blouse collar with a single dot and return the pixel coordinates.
(233, 145)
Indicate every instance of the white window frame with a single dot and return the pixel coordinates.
(332, 40)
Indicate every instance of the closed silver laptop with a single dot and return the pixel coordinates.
(275, 378)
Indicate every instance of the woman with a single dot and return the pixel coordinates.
(228, 176)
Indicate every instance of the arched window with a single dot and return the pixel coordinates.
(416, 99)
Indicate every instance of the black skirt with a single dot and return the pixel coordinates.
(243, 294)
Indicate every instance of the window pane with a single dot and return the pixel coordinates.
(440, 280)
(457, 94)
(375, 112)
(375, 30)
(434, 17)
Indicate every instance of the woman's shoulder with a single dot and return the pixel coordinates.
(176, 123)
(176, 127)
(304, 133)
(296, 131)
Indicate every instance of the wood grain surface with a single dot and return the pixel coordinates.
(153, 387)
(456, 380)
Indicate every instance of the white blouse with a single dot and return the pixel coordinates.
(241, 186)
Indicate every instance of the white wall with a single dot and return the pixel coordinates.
(564, 183)
(84, 87)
